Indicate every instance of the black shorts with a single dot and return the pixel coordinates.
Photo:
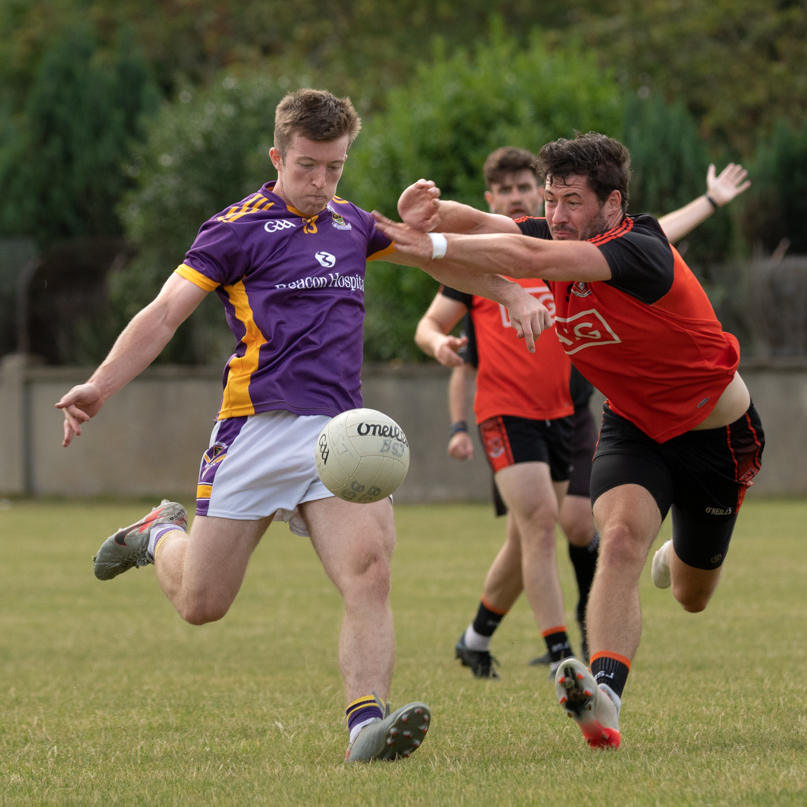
(509, 440)
(701, 475)
(585, 441)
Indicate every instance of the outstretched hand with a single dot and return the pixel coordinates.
(419, 204)
(80, 404)
(729, 183)
(408, 240)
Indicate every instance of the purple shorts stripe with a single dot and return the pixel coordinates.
(225, 433)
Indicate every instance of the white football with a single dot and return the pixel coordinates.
(362, 455)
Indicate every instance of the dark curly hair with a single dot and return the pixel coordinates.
(605, 162)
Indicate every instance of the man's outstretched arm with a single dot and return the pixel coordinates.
(421, 208)
(140, 342)
(527, 315)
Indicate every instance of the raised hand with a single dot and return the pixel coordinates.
(729, 183)
(418, 205)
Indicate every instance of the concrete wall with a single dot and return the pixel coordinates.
(148, 440)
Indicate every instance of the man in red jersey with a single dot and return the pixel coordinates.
(679, 430)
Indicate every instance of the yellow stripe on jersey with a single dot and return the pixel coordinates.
(197, 278)
(382, 252)
(256, 202)
(236, 401)
(340, 201)
(203, 491)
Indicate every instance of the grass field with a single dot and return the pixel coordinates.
(109, 698)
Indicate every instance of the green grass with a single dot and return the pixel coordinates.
(107, 697)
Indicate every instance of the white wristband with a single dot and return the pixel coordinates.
(439, 245)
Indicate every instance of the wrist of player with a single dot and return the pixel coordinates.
(439, 245)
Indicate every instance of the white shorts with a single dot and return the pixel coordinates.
(261, 465)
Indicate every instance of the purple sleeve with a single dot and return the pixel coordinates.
(217, 254)
(376, 240)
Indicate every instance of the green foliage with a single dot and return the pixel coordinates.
(443, 124)
(778, 209)
(362, 48)
(61, 153)
(207, 150)
(669, 160)
(738, 65)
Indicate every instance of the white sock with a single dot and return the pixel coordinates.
(476, 641)
(155, 535)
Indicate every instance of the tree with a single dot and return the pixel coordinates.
(738, 65)
(778, 208)
(61, 155)
(668, 162)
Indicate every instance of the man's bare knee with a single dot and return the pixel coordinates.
(692, 602)
(202, 612)
(621, 546)
(371, 580)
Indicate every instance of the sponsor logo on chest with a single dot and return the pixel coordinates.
(585, 329)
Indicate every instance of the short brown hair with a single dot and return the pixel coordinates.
(507, 160)
(605, 162)
(315, 114)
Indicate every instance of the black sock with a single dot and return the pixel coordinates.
(584, 561)
(611, 671)
(557, 643)
(486, 620)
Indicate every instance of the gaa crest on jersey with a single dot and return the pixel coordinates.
(580, 289)
(338, 222)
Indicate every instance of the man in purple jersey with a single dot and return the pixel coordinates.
(288, 264)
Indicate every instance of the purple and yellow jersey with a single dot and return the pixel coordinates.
(293, 292)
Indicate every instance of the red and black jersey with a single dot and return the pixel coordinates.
(648, 338)
(511, 380)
